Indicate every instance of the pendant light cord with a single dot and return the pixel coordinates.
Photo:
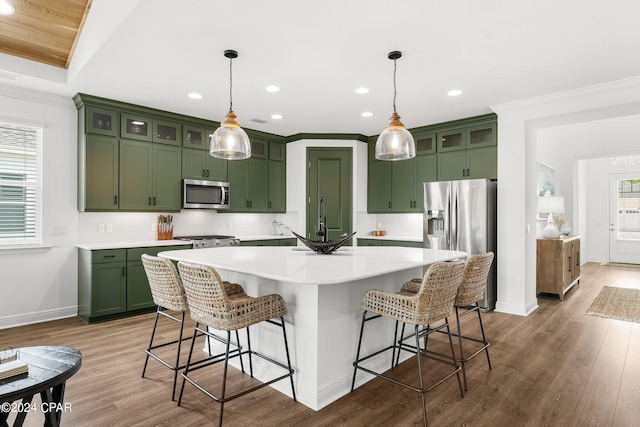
(230, 84)
(394, 84)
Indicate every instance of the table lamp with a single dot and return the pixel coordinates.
(550, 205)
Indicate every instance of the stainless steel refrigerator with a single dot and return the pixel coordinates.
(461, 215)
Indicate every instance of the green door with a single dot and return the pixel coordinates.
(138, 290)
(329, 176)
(403, 186)
(425, 172)
(238, 173)
(194, 164)
(258, 185)
(379, 187)
(101, 174)
(108, 288)
(277, 187)
(451, 165)
(483, 163)
(166, 178)
(136, 175)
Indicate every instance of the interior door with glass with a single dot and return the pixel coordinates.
(624, 218)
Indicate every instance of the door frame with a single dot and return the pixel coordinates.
(631, 247)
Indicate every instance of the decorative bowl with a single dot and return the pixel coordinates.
(324, 247)
(379, 232)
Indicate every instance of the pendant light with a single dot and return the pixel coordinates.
(396, 142)
(230, 141)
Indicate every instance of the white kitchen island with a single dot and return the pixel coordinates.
(323, 294)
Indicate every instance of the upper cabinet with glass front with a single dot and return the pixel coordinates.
(134, 126)
(101, 121)
(167, 132)
(194, 137)
(483, 135)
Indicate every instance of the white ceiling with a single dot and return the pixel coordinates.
(155, 52)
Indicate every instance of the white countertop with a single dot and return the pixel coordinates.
(130, 244)
(304, 266)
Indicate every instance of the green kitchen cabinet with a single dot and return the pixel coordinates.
(277, 178)
(482, 135)
(250, 181)
(451, 140)
(135, 126)
(150, 178)
(102, 283)
(100, 178)
(379, 187)
(403, 188)
(199, 164)
(270, 242)
(426, 168)
(194, 137)
(426, 144)
(468, 164)
(167, 132)
(369, 242)
(100, 121)
(112, 283)
(382, 242)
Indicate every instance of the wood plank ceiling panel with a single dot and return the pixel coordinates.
(45, 31)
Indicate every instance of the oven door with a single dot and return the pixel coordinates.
(199, 194)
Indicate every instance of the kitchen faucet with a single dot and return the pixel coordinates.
(322, 220)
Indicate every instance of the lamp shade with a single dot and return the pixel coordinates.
(551, 204)
(230, 141)
(396, 142)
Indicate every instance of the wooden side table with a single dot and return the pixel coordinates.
(49, 369)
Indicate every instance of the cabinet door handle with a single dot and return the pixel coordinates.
(207, 173)
(115, 199)
(269, 204)
(154, 200)
(250, 203)
(463, 173)
(389, 204)
(570, 265)
(204, 173)
(124, 272)
(149, 201)
(468, 174)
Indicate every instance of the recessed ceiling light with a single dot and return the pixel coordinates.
(362, 90)
(6, 8)
(367, 114)
(272, 88)
(276, 116)
(454, 92)
(195, 95)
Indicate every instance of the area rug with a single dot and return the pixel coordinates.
(617, 303)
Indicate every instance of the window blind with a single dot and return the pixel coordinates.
(20, 184)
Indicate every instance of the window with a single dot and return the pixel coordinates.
(629, 209)
(20, 184)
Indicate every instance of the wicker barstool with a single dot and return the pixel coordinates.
(210, 305)
(433, 302)
(471, 290)
(168, 294)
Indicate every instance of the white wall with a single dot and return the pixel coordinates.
(37, 285)
(521, 128)
(297, 180)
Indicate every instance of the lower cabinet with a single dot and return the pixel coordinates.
(112, 282)
(379, 242)
(557, 265)
(270, 242)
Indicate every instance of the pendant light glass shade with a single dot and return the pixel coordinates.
(395, 142)
(230, 141)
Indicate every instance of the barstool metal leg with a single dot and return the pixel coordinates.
(355, 364)
(250, 354)
(453, 356)
(286, 347)
(419, 357)
(484, 338)
(224, 378)
(153, 334)
(464, 370)
(175, 371)
(186, 368)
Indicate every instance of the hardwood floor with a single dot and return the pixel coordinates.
(556, 367)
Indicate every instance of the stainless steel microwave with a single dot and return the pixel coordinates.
(200, 194)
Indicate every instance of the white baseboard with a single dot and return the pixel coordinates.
(38, 317)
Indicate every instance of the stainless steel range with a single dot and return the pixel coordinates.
(211, 241)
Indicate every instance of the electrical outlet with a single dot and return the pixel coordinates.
(101, 228)
(109, 228)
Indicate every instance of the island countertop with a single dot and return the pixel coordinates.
(303, 266)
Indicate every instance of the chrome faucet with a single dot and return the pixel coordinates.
(321, 228)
